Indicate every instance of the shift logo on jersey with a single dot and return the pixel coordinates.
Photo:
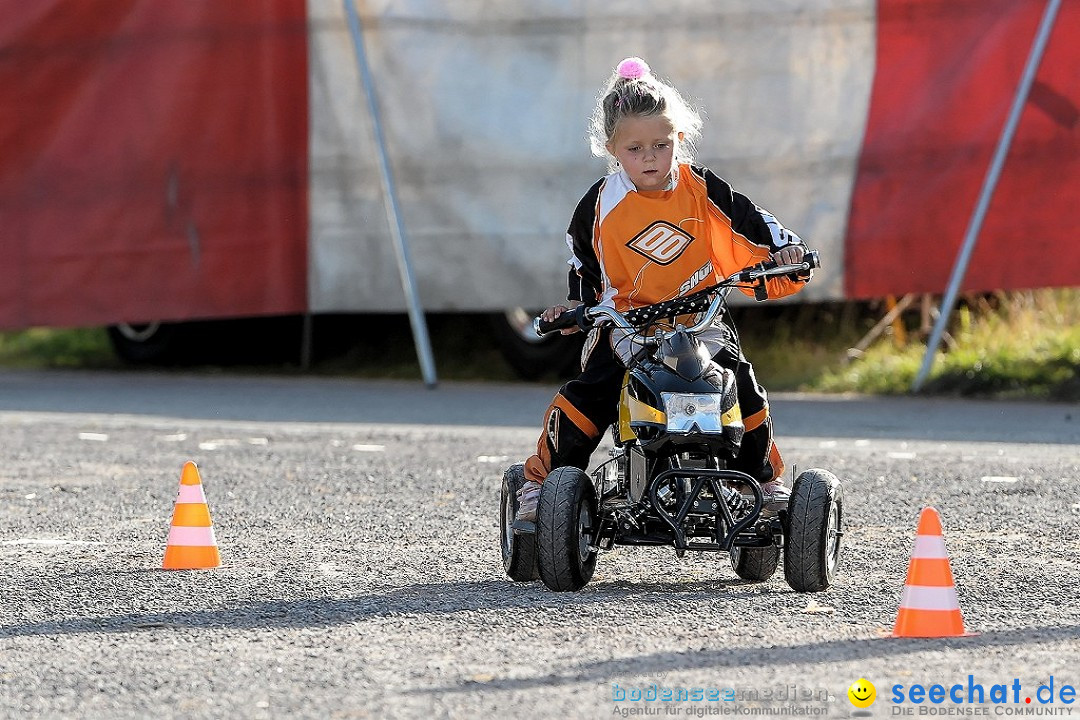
(661, 242)
(703, 272)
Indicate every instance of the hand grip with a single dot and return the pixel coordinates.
(570, 318)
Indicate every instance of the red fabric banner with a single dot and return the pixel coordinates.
(154, 160)
(947, 73)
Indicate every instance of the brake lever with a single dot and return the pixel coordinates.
(761, 290)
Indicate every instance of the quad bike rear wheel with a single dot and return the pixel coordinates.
(566, 526)
(755, 564)
(518, 551)
(812, 544)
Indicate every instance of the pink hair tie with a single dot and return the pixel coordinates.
(632, 68)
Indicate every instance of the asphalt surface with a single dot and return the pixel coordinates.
(361, 575)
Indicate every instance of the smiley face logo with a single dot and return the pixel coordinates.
(862, 693)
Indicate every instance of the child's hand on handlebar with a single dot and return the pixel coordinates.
(551, 313)
(788, 255)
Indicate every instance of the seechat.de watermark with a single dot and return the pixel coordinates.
(975, 698)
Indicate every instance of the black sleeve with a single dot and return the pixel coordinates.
(585, 283)
(747, 219)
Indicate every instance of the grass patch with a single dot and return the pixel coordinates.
(365, 346)
(1014, 345)
(56, 348)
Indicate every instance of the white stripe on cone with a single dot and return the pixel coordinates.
(929, 546)
(922, 597)
(192, 536)
(191, 494)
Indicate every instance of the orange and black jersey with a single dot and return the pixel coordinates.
(632, 248)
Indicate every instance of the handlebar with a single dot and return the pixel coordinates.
(585, 317)
(769, 268)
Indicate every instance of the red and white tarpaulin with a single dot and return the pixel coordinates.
(947, 72)
(178, 159)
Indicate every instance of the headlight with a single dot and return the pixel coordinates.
(685, 410)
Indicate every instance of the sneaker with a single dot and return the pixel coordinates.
(528, 497)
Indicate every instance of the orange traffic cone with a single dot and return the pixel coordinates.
(929, 607)
(191, 544)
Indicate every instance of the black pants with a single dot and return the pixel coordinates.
(583, 409)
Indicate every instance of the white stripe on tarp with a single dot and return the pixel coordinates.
(929, 546)
(922, 597)
(192, 536)
(191, 494)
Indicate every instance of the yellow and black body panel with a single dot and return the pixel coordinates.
(643, 415)
(634, 412)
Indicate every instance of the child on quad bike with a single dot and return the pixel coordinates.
(657, 227)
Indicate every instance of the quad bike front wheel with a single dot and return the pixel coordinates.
(812, 543)
(566, 526)
(518, 551)
(755, 564)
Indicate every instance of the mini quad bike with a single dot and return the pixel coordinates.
(668, 480)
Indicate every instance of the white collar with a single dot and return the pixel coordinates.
(673, 182)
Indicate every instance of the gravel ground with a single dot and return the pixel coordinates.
(361, 577)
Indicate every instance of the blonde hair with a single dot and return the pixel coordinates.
(633, 91)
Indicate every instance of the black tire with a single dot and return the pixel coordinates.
(152, 343)
(815, 525)
(565, 524)
(531, 356)
(518, 551)
(755, 564)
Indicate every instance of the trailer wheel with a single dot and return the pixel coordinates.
(532, 356)
(152, 342)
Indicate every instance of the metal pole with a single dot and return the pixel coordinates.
(987, 192)
(397, 230)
